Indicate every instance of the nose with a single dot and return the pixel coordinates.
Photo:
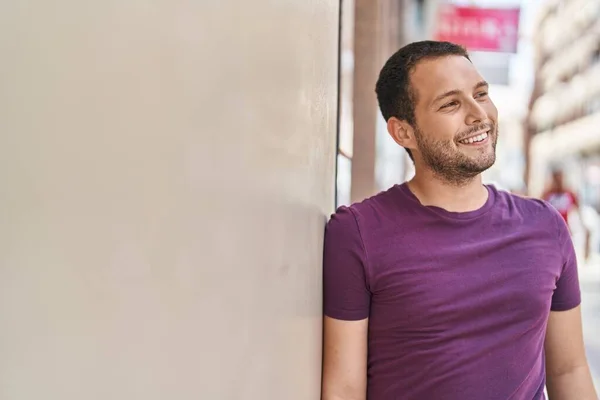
(475, 114)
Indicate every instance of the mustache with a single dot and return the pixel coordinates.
(488, 126)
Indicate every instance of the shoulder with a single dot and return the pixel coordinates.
(368, 210)
(534, 210)
(573, 195)
(546, 194)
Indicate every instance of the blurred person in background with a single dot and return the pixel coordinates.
(566, 203)
(443, 287)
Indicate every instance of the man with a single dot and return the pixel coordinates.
(560, 197)
(565, 202)
(441, 287)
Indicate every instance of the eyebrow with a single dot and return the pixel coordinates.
(456, 91)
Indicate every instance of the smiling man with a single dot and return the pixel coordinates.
(442, 287)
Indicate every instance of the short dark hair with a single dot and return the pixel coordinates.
(395, 96)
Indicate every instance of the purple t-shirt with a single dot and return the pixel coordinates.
(457, 303)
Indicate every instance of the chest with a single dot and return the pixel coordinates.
(451, 280)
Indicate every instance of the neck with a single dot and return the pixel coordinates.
(469, 195)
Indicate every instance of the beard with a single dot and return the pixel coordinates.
(452, 165)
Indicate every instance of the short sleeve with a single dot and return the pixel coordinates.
(345, 289)
(567, 294)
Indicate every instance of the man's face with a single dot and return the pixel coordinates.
(456, 121)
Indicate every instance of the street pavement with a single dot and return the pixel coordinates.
(589, 276)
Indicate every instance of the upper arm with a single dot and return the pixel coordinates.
(567, 372)
(345, 359)
(346, 293)
(564, 338)
(567, 294)
(346, 304)
(564, 346)
(575, 200)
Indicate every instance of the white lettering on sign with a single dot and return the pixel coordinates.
(489, 28)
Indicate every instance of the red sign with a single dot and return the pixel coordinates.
(479, 29)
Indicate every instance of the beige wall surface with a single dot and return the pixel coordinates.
(166, 170)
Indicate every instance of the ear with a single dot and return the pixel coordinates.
(402, 133)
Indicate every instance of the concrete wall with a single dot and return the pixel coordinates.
(166, 170)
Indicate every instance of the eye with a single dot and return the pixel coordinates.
(449, 105)
(481, 95)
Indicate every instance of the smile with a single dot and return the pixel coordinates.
(480, 138)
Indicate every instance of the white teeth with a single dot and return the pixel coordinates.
(475, 139)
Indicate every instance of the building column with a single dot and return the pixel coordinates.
(377, 28)
(366, 42)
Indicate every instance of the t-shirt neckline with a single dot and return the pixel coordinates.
(452, 214)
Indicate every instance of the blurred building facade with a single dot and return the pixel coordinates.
(368, 159)
(371, 31)
(563, 128)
